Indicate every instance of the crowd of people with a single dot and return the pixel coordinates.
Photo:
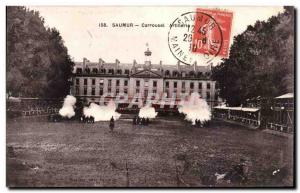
(140, 120)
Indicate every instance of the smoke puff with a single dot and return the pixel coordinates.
(67, 109)
(195, 108)
(102, 113)
(147, 112)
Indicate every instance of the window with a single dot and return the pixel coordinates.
(119, 71)
(192, 85)
(103, 71)
(125, 82)
(85, 91)
(208, 95)
(183, 85)
(111, 71)
(154, 83)
(200, 85)
(93, 91)
(154, 91)
(137, 83)
(167, 73)
(208, 86)
(175, 84)
(87, 70)
(109, 82)
(101, 91)
(125, 91)
(109, 90)
(77, 90)
(118, 82)
(77, 81)
(85, 81)
(79, 70)
(137, 90)
(101, 82)
(126, 71)
(175, 73)
(146, 83)
(191, 73)
(167, 84)
(117, 91)
(93, 81)
(95, 70)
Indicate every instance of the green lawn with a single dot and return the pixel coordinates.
(73, 154)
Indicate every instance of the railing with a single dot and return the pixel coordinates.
(279, 127)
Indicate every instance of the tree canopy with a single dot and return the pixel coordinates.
(261, 61)
(38, 64)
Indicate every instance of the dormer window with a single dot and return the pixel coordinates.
(119, 71)
(95, 70)
(111, 71)
(103, 71)
(79, 70)
(87, 70)
(167, 73)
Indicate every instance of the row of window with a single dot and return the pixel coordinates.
(93, 92)
(192, 85)
(167, 73)
(101, 82)
(154, 83)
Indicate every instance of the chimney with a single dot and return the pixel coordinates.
(195, 66)
(84, 62)
(178, 65)
(117, 62)
(134, 65)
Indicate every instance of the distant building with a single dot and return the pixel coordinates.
(91, 80)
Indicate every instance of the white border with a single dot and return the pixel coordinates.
(4, 3)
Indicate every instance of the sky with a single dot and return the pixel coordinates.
(79, 28)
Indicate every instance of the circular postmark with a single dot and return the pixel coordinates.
(195, 37)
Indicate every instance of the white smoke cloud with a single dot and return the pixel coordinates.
(147, 112)
(102, 113)
(67, 109)
(195, 108)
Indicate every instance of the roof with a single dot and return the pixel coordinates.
(285, 96)
(247, 109)
(170, 67)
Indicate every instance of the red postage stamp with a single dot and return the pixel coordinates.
(212, 32)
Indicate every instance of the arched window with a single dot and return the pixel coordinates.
(183, 74)
(103, 71)
(119, 71)
(200, 74)
(191, 73)
(95, 70)
(167, 73)
(175, 73)
(111, 71)
(79, 70)
(87, 70)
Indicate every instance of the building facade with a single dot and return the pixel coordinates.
(93, 80)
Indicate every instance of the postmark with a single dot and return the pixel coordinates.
(201, 36)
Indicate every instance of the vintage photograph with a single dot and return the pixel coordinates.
(150, 96)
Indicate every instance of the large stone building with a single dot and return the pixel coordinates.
(92, 80)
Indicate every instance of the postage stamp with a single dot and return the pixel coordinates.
(200, 36)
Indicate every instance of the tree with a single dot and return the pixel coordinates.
(261, 61)
(36, 56)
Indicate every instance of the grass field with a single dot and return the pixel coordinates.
(71, 154)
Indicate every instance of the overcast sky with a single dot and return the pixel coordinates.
(84, 38)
